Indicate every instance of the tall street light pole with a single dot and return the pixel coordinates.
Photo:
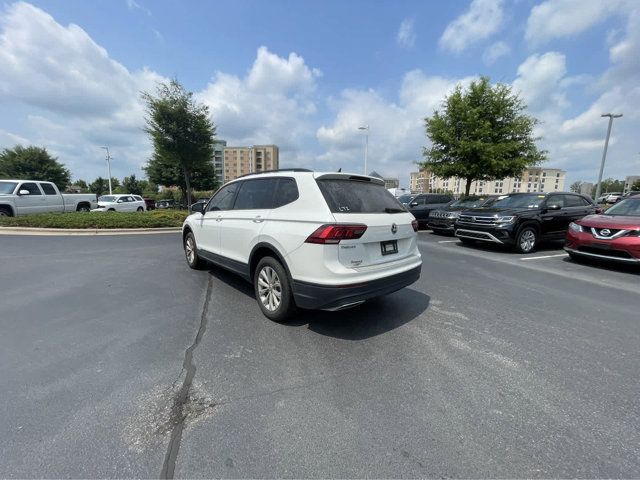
(604, 154)
(366, 145)
(109, 165)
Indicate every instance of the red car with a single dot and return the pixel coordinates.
(614, 235)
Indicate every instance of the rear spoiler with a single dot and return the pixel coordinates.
(347, 176)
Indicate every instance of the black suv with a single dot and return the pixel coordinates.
(522, 220)
(443, 220)
(422, 205)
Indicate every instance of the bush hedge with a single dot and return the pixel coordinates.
(153, 219)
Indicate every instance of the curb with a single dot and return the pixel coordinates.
(85, 232)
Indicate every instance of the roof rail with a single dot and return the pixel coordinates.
(275, 171)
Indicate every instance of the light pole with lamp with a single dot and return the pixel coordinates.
(366, 145)
(604, 154)
(109, 164)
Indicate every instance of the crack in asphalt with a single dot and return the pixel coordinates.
(178, 411)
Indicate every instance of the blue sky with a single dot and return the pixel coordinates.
(305, 75)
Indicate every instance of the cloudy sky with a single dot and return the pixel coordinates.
(304, 75)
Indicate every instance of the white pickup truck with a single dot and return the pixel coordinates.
(22, 197)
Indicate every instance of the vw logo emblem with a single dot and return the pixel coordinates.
(394, 228)
(605, 232)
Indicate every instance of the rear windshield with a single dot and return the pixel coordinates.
(356, 196)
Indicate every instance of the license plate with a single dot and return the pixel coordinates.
(389, 247)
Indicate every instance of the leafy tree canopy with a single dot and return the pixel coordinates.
(481, 133)
(182, 136)
(33, 163)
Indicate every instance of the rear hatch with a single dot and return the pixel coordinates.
(389, 237)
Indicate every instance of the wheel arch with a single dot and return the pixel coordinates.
(9, 207)
(83, 204)
(265, 249)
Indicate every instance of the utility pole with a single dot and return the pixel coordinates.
(604, 154)
(109, 165)
(366, 145)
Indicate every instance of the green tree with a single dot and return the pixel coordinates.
(611, 185)
(482, 133)
(635, 187)
(100, 186)
(33, 163)
(132, 185)
(182, 136)
(81, 184)
(575, 186)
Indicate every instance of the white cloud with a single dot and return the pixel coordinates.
(495, 51)
(564, 18)
(406, 34)
(396, 135)
(480, 21)
(539, 82)
(272, 104)
(133, 5)
(80, 98)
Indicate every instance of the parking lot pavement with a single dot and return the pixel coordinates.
(483, 368)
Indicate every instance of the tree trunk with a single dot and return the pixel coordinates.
(187, 181)
(467, 189)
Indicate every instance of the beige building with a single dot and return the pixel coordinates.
(629, 181)
(240, 161)
(532, 180)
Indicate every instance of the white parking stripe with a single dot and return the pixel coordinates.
(448, 241)
(545, 256)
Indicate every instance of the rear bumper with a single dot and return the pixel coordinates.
(325, 297)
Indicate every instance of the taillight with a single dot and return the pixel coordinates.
(332, 234)
(415, 225)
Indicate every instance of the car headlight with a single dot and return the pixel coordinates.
(505, 220)
(453, 215)
(575, 227)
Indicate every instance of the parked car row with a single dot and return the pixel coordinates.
(120, 203)
(23, 197)
(523, 220)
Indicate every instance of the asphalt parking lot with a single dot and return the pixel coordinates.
(491, 365)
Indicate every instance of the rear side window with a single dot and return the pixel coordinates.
(48, 189)
(355, 196)
(256, 194)
(573, 201)
(286, 192)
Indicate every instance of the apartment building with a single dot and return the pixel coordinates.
(532, 180)
(240, 161)
(218, 158)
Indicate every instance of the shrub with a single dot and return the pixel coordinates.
(153, 219)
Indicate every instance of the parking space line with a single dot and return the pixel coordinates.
(545, 256)
(448, 241)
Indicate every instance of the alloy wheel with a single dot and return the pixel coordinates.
(269, 288)
(527, 240)
(189, 249)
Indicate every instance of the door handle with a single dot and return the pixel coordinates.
(258, 219)
(219, 218)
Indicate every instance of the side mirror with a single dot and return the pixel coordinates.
(198, 207)
(120, 200)
(24, 192)
(553, 206)
(413, 204)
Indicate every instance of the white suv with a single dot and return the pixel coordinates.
(307, 239)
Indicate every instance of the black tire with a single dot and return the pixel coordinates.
(83, 208)
(269, 278)
(111, 210)
(5, 212)
(140, 209)
(527, 239)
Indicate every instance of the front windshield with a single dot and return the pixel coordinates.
(629, 207)
(519, 201)
(7, 187)
(107, 198)
(405, 198)
(469, 202)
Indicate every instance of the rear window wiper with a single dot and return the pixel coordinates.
(394, 210)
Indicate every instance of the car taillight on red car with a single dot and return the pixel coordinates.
(332, 234)
(415, 225)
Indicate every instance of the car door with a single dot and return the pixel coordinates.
(417, 207)
(575, 209)
(241, 226)
(553, 220)
(208, 232)
(33, 202)
(53, 199)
